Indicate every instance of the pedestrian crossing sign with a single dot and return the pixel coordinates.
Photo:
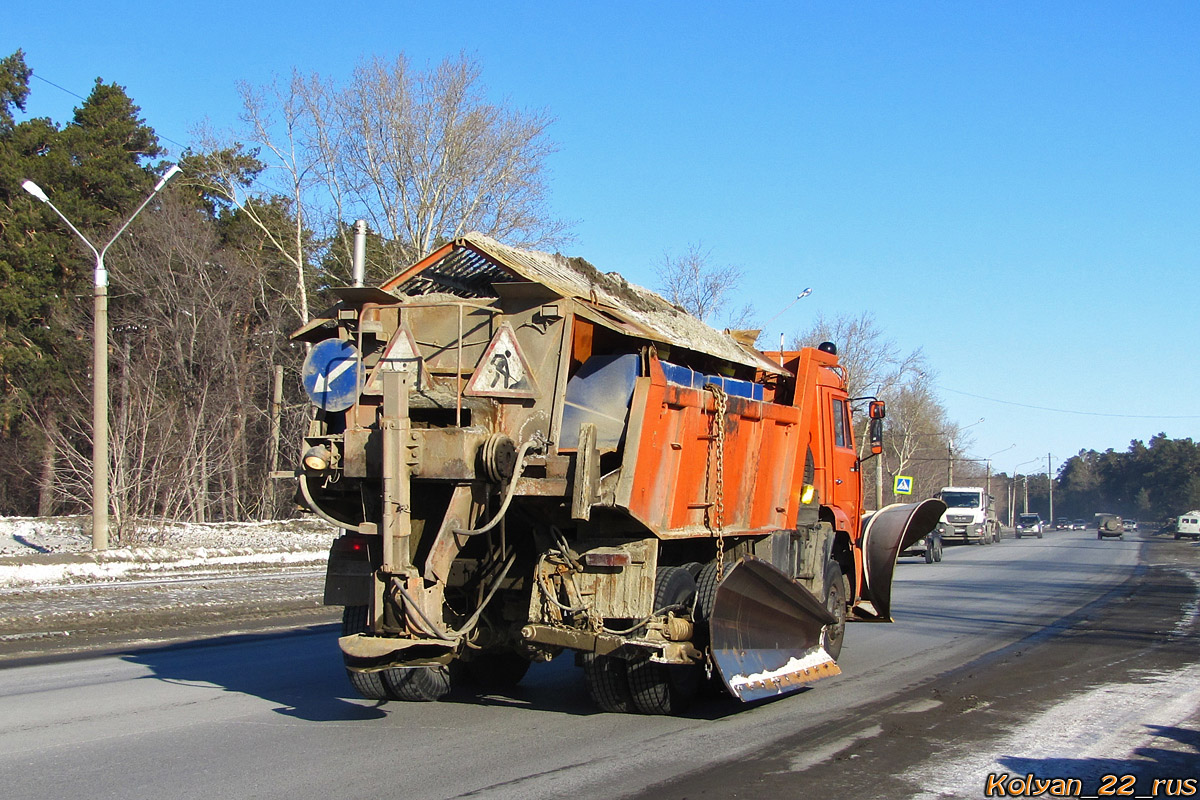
(903, 485)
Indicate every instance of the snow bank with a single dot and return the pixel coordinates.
(40, 551)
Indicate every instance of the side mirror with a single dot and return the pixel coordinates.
(878, 410)
(876, 433)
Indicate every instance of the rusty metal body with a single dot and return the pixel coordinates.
(527, 455)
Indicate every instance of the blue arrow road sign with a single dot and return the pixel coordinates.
(331, 375)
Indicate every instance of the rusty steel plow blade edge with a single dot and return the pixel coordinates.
(766, 632)
(887, 532)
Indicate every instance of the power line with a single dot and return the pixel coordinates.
(1068, 410)
(180, 145)
(56, 86)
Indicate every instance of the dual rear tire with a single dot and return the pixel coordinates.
(620, 685)
(414, 684)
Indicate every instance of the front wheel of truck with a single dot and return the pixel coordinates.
(835, 603)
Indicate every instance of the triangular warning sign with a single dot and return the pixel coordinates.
(503, 370)
(400, 356)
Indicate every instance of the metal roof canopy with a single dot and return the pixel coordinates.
(468, 267)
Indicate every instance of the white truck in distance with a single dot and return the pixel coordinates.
(969, 515)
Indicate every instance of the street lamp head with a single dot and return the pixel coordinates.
(804, 294)
(35, 190)
(171, 173)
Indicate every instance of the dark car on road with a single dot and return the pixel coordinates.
(1029, 525)
(930, 546)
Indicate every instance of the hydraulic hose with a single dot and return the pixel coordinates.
(455, 636)
(313, 507)
(508, 494)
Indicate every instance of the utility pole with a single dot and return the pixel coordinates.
(879, 482)
(1050, 477)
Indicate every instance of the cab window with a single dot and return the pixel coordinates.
(839, 424)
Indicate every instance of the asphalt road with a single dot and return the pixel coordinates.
(1072, 636)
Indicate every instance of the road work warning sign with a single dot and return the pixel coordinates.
(903, 485)
(503, 370)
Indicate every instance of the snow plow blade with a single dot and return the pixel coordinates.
(886, 533)
(766, 632)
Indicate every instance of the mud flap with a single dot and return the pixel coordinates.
(766, 632)
(887, 532)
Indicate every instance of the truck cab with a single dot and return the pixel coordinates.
(970, 517)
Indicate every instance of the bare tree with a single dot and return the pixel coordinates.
(873, 361)
(283, 165)
(918, 431)
(692, 283)
(422, 155)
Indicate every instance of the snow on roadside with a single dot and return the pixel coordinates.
(50, 551)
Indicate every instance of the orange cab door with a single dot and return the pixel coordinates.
(844, 489)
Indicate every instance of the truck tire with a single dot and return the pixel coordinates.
(835, 603)
(417, 684)
(394, 683)
(666, 688)
(929, 553)
(937, 550)
(706, 593)
(368, 684)
(608, 683)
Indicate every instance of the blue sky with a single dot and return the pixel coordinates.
(1012, 187)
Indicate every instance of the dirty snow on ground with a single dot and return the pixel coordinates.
(44, 551)
(1078, 737)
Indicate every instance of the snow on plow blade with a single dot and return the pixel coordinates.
(897, 527)
(766, 632)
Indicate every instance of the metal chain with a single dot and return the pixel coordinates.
(721, 402)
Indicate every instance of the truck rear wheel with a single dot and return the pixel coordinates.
(666, 688)
(607, 683)
(368, 684)
(417, 684)
(393, 683)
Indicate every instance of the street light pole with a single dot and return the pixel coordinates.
(1016, 474)
(100, 359)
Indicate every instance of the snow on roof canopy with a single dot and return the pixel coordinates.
(471, 265)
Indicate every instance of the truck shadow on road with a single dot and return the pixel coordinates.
(300, 670)
(559, 687)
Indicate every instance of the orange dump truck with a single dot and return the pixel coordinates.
(525, 456)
